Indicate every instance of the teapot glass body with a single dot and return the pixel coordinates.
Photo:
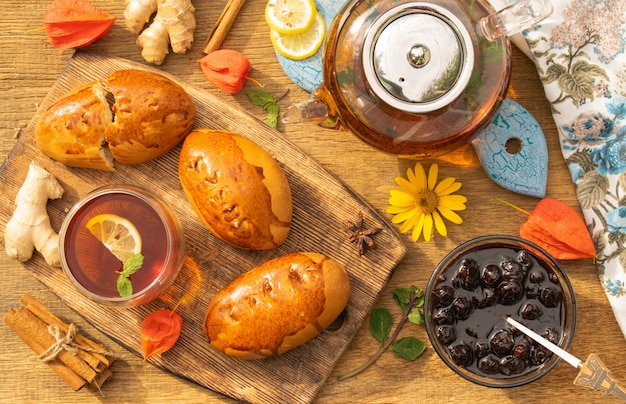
(370, 63)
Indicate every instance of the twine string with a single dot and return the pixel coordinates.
(65, 342)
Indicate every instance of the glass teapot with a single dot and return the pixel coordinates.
(416, 78)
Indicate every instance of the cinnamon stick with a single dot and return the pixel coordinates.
(70, 377)
(222, 26)
(96, 360)
(101, 378)
(37, 330)
(78, 360)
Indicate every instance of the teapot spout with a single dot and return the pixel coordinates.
(319, 107)
(514, 18)
(312, 109)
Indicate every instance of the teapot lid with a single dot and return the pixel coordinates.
(418, 57)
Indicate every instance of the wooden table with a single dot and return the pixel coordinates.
(28, 68)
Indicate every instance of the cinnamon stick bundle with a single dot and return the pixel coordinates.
(84, 362)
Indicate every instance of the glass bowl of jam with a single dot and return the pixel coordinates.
(479, 283)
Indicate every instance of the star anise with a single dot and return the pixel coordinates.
(359, 235)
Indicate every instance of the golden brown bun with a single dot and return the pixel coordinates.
(277, 306)
(237, 189)
(152, 115)
(72, 130)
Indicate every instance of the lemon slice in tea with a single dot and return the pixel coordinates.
(290, 16)
(300, 46)
(119, 235)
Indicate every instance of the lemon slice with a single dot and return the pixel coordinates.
(300, 46)
(290, 16)
(119, 235)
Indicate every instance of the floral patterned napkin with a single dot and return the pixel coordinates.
(580, 54)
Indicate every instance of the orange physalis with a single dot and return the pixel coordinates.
(226, 69)
(160, 331)
(557, 228)
(75, 23)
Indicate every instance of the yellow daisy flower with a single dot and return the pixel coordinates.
(422, 202)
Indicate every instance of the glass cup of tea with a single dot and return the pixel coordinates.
(95, 269)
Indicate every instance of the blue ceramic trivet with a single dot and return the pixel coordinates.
(524, 167)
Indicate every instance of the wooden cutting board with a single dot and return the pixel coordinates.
(321, 204)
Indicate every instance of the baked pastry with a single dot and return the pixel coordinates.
(152, 115)
(277, 306)
(237, 189)
(149, 116)
(72, 130)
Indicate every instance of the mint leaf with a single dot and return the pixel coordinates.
(124, 287)
(410, 300)
(413, 296)
(380, 324)
(416, 316)
(260, 98)
(272, 115)
(402, 296)
(419, 298)
(132, 264)
(408, 348)
(268, 102)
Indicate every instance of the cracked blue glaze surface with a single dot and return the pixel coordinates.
(524, 172)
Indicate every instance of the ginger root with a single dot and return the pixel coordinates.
(173, 24)
(29, 227)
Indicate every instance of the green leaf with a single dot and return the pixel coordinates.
(584, 159)
(553, 73)
(416, 316)
(380, 324)
(419, 296)
(132, 264)
(588, 68)
(260, 98)
(272, 115)
(268, 102)
(408, 348)
(592, 188)
(578, 86)
(124, 287)
(402, 297)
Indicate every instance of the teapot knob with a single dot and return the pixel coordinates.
(419, 56)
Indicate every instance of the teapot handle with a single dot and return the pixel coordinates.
(514, 18)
